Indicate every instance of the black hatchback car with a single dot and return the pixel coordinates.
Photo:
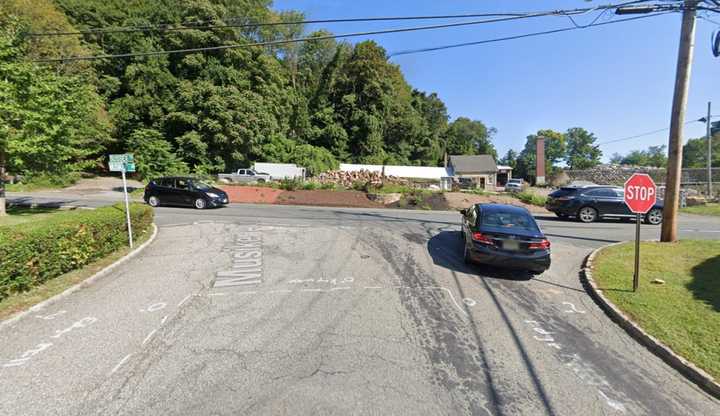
(590, 203)
(183, 191)
(504, 236)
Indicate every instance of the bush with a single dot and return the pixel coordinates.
(291, 184)
(531, 198)
(390, 188)
(328, 186)
(35, 252)
(37, 181)
(310, 186)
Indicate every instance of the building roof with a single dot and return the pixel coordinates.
(472, 164)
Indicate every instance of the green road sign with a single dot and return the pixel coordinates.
(125, 162)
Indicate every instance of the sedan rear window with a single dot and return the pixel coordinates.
(509, 220)
(563, 192)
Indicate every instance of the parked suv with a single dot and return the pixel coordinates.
(514, 185)
(589, 203)
(183, 191)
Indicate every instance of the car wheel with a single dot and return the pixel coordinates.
(654, 217)
(261, 180)
(587, 214)
(200, 203)
(153, 201)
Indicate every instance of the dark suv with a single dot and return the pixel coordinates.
(589, 203)
(183, 191)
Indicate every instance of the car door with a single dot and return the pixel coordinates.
(603, 199)
(621, 206)
(184, 192)
(469, 221)
(163, 190)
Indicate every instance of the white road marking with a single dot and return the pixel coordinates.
(147, 338)
(469, 302)
(373, 287)
(573, 308)
(249, 292)
(451, 297)
(51, 316)
(612, 403)
(311, 290)
(164, 318)
(185, 299)
(77, 325)
(117, 367)
(280, 291)
(217, 294)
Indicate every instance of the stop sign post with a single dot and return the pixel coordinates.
(640, 197)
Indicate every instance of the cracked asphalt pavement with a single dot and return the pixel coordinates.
(327, 311)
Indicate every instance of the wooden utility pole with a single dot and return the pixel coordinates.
(682, 82)
(2, 181)
(709, 152)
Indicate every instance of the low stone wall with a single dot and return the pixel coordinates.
(695, 179)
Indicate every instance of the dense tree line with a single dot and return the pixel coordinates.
(314, 103)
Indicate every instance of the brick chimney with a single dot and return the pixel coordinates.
(540, 161)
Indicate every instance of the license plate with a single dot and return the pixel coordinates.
(511, 245)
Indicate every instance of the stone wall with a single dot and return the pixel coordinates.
(617, 175)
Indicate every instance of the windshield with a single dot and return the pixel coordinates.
(202, 186)
(509, 220)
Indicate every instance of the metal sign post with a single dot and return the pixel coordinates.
(640, 194)
(124, 163)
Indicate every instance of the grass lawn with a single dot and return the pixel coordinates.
(20, 215)
(707, 209)
(684, 313)
(21, 301)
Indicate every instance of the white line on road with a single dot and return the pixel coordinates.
(612, 403)
(373, 287)
(147, 338)
(451, 297)
(117, 367)
(280, 291)
(185, 299)
(217, 294)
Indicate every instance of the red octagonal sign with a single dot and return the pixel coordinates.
(640, 193)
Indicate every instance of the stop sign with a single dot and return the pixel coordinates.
(640, 193)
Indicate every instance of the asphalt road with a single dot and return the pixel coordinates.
(265, 310)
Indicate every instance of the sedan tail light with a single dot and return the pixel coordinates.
(482, 239)
(541, 245)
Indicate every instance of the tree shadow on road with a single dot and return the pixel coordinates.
(445, 249)
(705, 283)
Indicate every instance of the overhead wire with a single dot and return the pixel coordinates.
(340, 36)
(525, 35)
(165, 27)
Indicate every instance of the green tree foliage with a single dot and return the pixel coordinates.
(313, 103)
(555, 151)
(695, 152)
(470, 137)
(582, 153)
(510, 159)
(49, 123)
(655, 156)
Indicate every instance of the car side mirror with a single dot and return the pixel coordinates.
(463, 211)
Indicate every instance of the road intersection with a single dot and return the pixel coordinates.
(354, 312)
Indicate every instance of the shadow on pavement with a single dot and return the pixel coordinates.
(28, 202)
(129, 188)
(705, 284)
(445, 249)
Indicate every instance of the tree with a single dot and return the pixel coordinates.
(554, 152)
(510, 159)
(581, 151)
(695, 152)
(654, 156)
(469, 137)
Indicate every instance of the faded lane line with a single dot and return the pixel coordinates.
(164, 318)
(147, 338)
(451, 297)
(185, 299)
(117, 367)
(217, 294)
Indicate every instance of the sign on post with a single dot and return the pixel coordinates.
(124, 163)
(640, 197)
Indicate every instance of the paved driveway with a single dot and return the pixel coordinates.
(301, 310)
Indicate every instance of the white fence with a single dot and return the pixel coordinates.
(416, 172)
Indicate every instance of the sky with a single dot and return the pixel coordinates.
(615, 80)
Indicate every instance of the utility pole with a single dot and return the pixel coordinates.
(709, 153)
(682, 82)
(3, 212)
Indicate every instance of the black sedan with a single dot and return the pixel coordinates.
(183, 191)
(505, 236)
(590, 203)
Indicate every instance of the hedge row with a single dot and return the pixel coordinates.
(32, 253)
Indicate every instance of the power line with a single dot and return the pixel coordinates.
(340, 36)
(209, 25)
(637, 136)
(167, 27)
(526, 35)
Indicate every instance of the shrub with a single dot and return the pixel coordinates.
(391, 188)
(35, 252)
(291, 184)
(531, 198)
(328, 186)
(310, 186)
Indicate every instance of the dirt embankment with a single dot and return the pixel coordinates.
(356, 199)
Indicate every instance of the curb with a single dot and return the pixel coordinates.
(90, 280)
(694, 374)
